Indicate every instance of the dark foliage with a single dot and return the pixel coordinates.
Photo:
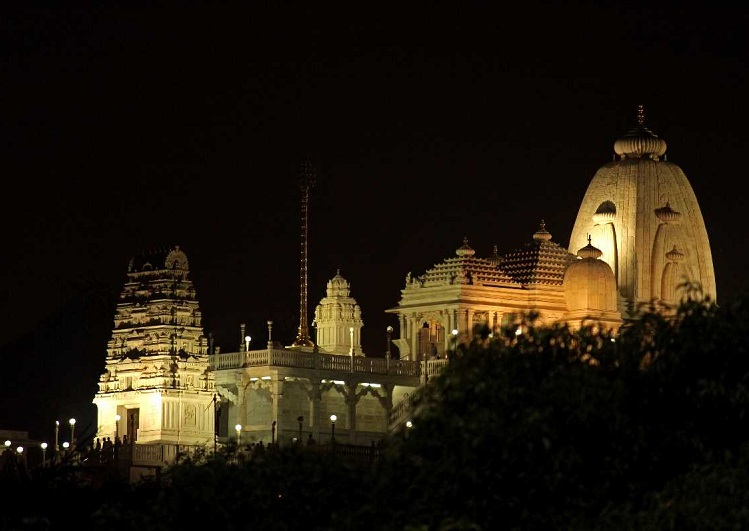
(562, 429)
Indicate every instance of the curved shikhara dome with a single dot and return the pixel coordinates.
(589, 283)
(638, 210)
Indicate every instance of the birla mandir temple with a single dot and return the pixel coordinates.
(639, 239)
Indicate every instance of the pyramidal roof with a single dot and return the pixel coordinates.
(465, 268)
(538, 262)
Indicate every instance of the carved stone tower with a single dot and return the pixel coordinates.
(157, 386)
(338, 320)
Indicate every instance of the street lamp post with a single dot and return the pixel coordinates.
(333, 418)
(57, 436)
(351, 351)
(238, 427)
(44, 454)
(247, 340)
(455, 339)
(117, 426)
(389, 331)
(273, 433)
(72, 431)
(216, 413)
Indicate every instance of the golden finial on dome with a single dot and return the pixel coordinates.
(640, 115)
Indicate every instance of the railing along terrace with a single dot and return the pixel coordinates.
(315, 360)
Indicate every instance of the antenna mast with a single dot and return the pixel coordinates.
(307, 181)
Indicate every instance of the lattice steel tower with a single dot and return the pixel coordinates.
(307, 181)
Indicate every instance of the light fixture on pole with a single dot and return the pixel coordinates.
(333, 418)
(72, 431)
(351, 335)
(247, 340)
(455, 339)
(8, 443)
(216, 412)
(389, 331)
(57, 436)
(44, 454)
(238, 427)
(117, 426)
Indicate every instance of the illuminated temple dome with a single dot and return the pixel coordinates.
(636, 210)
(590, 290)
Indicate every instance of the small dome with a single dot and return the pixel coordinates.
(589, 251)
(495, 259)
(589, 283)
(667, 214)
(465, 249)
(675, 255)
(640, 142)
(542, 233)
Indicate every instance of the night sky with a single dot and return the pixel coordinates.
(129, 130)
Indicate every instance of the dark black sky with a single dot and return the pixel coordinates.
(126, 130)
